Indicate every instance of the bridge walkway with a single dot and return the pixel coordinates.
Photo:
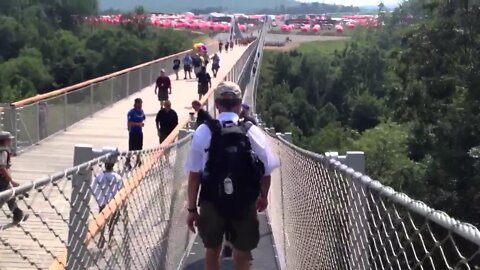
(104, 128)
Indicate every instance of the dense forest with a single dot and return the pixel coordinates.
(45, 46)
(407, 93)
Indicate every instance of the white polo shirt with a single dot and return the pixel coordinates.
(198, 156)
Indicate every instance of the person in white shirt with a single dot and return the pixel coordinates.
(211, 226)
(104, 187)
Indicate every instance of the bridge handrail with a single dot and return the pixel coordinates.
(54, 93)
(466, 230)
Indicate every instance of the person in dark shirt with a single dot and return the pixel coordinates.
(204, 82)
(226, 46)
(220, 46)
(176, 66)
(202, 115)
(167, 120)
(163, 87)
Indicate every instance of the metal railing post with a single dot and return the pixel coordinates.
(357, 206)
(65, 103)
(79, 211)
(92, 106)
(151, 74)
(112, 98)
(14, 120)
(128, 83)
(139, 80)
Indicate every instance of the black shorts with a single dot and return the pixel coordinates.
(162, 95)
(215, 66)
(176, 68)
(187, 68)
(135, 141)
(202, 89)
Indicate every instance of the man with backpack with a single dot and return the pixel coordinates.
(234, 180)
(6, 181)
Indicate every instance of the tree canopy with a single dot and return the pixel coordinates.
(44, 45)
(406, 93)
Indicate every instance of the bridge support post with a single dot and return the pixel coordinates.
(286, 136)
(79, 211)
(358, 242)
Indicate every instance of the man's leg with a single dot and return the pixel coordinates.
(245, 238)
(211, 229)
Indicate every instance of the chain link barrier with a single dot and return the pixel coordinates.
(325, 215)
(145, 218)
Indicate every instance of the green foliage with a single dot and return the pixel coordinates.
(405, 93)
(44, 45)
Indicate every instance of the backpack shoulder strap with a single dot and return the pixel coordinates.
(215, 128)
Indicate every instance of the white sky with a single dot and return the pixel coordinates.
(355, 2)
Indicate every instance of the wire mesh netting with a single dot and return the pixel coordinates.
(326, 216)
(136, 222)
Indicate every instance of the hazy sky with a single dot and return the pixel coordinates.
(354, 2)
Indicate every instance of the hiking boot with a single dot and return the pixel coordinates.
(227, 252)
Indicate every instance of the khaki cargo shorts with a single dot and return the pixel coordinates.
(244, 234)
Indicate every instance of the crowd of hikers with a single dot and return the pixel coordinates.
(229, 158)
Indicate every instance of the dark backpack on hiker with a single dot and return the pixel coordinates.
(231, 179)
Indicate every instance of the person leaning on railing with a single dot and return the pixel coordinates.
(6, 181)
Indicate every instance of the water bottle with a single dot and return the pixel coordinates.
(228, 186)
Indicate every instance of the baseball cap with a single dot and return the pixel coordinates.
(162, 70)
(5, 135)
(228, 89)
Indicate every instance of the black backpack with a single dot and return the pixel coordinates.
(196, 61)
(231, 158)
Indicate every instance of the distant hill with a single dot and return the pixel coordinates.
(187, 5)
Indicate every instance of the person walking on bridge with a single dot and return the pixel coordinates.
(135, 123)
(104, 188)
(163, 87)
(166, 120)
(187, 66)
(6, 181)
(215, 64)
(232, 162)
(227, 45)
(204, 82)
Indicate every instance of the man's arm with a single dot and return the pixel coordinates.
(193, 186)
(265, 186)
(175, 119)
(156, 88)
